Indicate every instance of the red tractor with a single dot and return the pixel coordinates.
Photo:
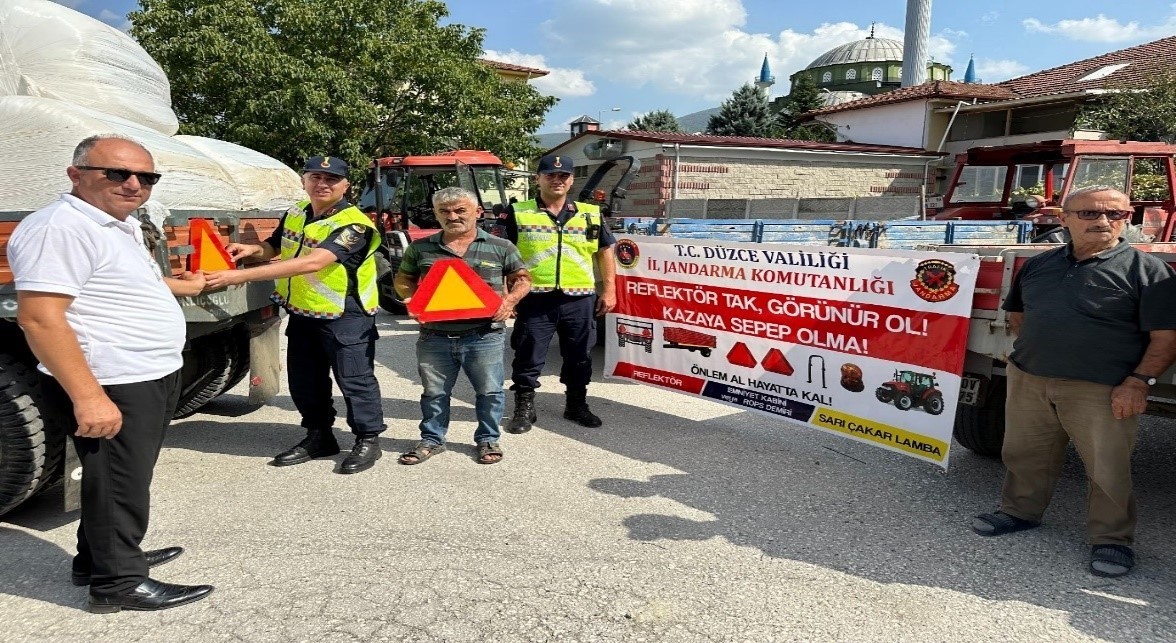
(1029, 181)
(398, 192)
(909, 389)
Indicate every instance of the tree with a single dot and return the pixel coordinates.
(744, 114)
(805, 97)
(353, 78)
(661, 120)
(1135, 114)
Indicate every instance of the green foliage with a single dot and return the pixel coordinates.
(353, 78)
(744, 114)
(805, 97)
(1135, 115)
(1037, 190)
(661, 120)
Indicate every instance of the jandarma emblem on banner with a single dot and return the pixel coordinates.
(935, 280)
(627, 253)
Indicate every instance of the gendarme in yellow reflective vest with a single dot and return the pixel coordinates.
(323, 294)
(558, 257)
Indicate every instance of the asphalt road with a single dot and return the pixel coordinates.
(680, 520)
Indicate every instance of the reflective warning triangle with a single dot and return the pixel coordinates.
(451, 291)
(208, 253)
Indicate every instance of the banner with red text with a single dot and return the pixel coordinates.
(864, 343)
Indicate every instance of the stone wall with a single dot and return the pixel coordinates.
(725, 181)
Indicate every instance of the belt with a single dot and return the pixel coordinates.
(480, 330)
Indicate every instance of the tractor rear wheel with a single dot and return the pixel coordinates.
(981, 429)
(386, 268)
(934, 404)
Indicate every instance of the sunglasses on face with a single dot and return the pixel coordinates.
(120, 175)
(1092, 215)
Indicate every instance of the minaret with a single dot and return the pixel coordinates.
(970, 74)
(914, 47)
(766, 79)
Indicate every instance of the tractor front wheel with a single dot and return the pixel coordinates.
(904, 402)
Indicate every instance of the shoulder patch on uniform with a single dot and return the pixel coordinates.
(357, 227)
(349, 238)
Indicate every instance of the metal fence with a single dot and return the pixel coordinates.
(873, 208)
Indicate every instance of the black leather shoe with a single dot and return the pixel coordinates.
(155, 558)
(316, 444)
(149, 596)
(524, 413)
(363, 455)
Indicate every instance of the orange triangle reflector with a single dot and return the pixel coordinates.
(208, 253)
(452, 291)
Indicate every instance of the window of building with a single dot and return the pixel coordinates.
(1048, 118)
(851, 74)
(827, 77)
(968, 127)
(580, 171)
(876, 74)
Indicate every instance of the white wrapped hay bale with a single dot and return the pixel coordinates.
(51, 51)
(262, 182)
(37, 138)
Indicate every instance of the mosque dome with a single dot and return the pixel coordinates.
(866, 50)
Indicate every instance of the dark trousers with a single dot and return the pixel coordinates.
(345, 347)
(116, 479)
(541, 315)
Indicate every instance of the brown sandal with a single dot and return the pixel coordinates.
(489, 453)
(421, 452)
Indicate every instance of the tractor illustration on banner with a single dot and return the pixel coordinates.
(909, 389)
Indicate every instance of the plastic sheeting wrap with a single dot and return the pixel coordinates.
(38, 135)
(263, 182)
(51, 51)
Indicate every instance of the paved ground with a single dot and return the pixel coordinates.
(681, 520)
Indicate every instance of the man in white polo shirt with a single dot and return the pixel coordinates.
(104, 323)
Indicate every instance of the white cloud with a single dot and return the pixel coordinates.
(1103, 29)
(994, 71)
(698, 48)
(990, 17)
(561, 82)
(115, 20)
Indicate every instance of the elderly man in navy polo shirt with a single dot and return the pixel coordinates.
(1091, 339)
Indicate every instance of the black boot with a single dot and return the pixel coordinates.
(363, 455)
(577, 409)
(318, 443)
(524, 413)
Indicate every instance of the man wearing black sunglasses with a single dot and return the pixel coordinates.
(103, 320)
(1091, 339)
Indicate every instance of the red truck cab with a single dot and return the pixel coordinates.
(1030, 181)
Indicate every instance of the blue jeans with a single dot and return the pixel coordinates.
(439, 359)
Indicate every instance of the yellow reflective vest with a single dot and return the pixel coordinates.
(558, 257)
(323, 294)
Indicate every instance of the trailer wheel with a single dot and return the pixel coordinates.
(649, 347)
(981, 429)
(24, 468)
(705, 352)
(205, 372)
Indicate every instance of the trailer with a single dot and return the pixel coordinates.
(690, 340)
(633, 331)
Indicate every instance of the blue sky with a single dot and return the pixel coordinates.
(688, 55)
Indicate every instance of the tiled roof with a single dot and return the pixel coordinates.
(1144, 62)
(747, 141)
(532, 71)
(933, 89)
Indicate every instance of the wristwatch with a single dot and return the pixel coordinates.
(1147, 379)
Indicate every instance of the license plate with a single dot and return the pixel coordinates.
(935, 202)
(969, 390)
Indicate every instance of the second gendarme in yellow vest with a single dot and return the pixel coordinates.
(558, 257)
(323, 294)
